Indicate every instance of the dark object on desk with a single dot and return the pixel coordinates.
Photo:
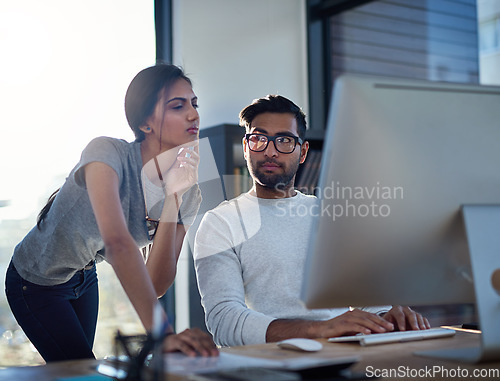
(471, 326)
(137, 348)
(329, 372)
(248, 374)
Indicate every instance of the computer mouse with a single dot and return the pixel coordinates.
(300, 344)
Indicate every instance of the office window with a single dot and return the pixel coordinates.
(489, 36)
(429, 40)
(489, 41)
(64, 71)
(425, 40)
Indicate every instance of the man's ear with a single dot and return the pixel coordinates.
(245, 146)
(304, 148)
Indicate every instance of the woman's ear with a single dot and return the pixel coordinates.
(146, 129)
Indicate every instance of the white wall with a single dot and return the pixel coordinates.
(489, 65)
(239, 50)
(236, 51)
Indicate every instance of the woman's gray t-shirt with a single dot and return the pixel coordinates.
(69, 237)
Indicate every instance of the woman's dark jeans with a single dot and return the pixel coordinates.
(59, 320)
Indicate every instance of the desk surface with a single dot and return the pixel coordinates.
(374, 361)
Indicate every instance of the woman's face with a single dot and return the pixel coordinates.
(175, 116)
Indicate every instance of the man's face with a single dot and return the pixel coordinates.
(271, 168)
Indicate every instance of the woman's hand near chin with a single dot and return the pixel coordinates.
(183, 173)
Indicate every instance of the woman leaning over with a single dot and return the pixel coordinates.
(101, 211)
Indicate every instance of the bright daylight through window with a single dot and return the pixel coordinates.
(63, 75)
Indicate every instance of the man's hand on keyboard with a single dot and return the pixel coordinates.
(351, 323)
(405, 319)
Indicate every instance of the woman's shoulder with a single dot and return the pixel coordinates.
(111, 151)
(109, 141)
(110, 146)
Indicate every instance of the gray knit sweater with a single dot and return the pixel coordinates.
(249, 256)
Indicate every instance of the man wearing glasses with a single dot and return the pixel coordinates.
(250, 251)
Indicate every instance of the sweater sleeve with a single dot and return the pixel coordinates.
(220, 282)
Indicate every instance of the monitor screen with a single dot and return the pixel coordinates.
(400, 158)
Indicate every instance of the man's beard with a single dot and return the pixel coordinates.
(269, 180)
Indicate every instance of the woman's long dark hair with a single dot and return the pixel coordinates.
(144, 92)
(45, 209)
(140, 100)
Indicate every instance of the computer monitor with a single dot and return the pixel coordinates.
(410, 197)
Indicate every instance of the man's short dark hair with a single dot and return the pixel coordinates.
(276, 104)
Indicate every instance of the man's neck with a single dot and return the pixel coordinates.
(261, 191)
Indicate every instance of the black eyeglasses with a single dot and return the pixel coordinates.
(152, 227)
(283, 143)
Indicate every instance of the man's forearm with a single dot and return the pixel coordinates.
(282, 329)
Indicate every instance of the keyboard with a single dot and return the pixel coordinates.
(394, 337)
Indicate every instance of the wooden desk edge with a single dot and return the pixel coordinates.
(379, 357)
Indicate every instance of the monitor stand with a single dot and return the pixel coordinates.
(482, 224)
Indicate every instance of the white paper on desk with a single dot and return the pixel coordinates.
(298, 363)
(179, 363)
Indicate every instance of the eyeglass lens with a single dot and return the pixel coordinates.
(259, 142)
